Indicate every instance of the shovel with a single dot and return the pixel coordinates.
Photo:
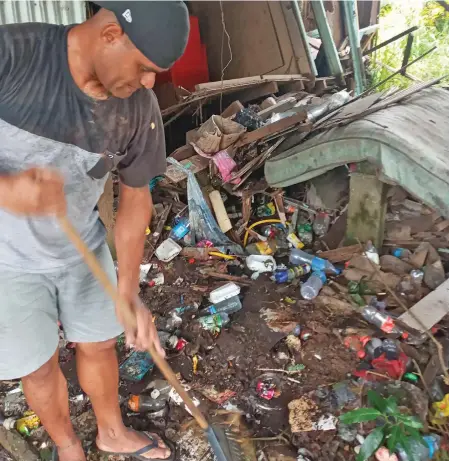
(224, 444)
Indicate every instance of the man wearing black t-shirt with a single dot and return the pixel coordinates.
(75, 103)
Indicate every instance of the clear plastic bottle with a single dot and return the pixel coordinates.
(181, 310)
(228, 306)
(305, 233)
(287, 275)
(373, 348)
(401, 253)
(381, 320)
(321, 224)
(300, 257)
(214, 323)
(181, 229)
(371, 252)
(168, 324)
(311, 288)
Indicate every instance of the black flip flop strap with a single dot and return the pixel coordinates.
(154, 444)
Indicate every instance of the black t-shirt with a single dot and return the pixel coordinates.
(38, 94)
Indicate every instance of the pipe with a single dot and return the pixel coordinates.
(327, 40)
(304, 37)
(352, 27)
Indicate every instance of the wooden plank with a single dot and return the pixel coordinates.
(156, 234)
(258, 91)
(341, 254)
(232, 109)
(194, 164)
(249, 80)
(275, 127)
(430, 310)
(183, 152)
(279, 107)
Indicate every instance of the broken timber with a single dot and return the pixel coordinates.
(430, 310)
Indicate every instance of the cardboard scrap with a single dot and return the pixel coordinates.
(217, 134)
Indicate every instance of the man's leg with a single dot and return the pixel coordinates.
(46, 393)
(97, 368)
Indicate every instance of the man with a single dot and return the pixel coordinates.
(75, 102)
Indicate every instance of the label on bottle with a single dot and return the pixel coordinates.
(388, 325)
(294, 240)
(318, 264)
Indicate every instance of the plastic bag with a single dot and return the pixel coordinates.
(202, 224)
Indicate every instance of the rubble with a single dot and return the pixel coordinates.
(266, 307)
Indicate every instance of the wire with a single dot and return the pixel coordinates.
(223, 69)
(264, 221)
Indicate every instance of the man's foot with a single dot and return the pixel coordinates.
(72, 452)
(131, 441)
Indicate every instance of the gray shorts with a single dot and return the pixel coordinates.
(31, 305)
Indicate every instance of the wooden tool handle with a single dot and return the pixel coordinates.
(129, 317)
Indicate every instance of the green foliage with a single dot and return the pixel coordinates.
(397, 16)
(394, 428)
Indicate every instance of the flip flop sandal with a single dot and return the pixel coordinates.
(139, 453)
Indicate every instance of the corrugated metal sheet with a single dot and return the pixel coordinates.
(53, 12)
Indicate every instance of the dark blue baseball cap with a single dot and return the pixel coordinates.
(159, 29)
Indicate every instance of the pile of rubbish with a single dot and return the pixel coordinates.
(313, 348)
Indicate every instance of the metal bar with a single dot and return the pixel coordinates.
(407, 51)
(352, 27)
(395, 73)
(304, 37)
(390, 40)
(330, 49)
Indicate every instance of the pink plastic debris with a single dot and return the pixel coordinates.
(225, 165)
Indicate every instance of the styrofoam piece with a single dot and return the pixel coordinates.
(224, 292)
(167, 250)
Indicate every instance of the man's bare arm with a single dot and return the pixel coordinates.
(133, 217)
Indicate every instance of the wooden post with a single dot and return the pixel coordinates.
(367, 206)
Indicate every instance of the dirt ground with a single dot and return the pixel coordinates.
(253, 348)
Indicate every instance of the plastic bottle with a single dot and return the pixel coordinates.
(419, 451)
(390, 349)
(371, 252)
(401, 253)
(24, 425)
(228, 306)
(305, 233)
(311, 288)
(299, 257)
(321, 224)
(287, 275)
(354, 343)
(168, 324)
(294, 240)
(181, 229)
(181, 310)
(214, 323)
(160, 390)
(373, 348)
(381, 320)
